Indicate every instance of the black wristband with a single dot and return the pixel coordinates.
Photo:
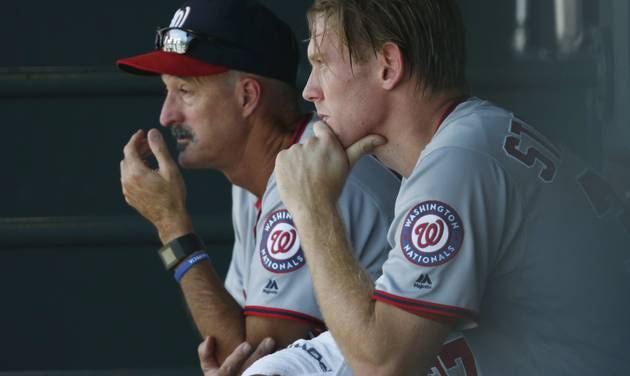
(177, 250)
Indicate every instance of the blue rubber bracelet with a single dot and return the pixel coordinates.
(185, 265)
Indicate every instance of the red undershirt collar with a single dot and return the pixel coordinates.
(297, 135)
(449, 110)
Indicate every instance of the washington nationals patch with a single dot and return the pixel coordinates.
(280, 250)
(432, 234)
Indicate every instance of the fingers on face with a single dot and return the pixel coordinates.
(159, 149)
(141, 144)
(284, 155)
(131, 148)
(132, 153)
(144, 150)
(323, 132)
(310, 143)
(320, 128)
(364, 146)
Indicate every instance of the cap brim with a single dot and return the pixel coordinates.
(160, 62)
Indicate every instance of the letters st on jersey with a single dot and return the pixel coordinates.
(432, 234)
(280, 250)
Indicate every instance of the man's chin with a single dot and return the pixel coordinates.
(347, 140)
(186, 163)
(341, 137)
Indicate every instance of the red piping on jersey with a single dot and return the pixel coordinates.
(258, 206)
(420, 307)
(448, 111)
(283, 314)
(297, 135)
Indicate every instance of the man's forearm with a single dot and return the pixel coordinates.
(343, 288)
(213, 309)
(374, 338)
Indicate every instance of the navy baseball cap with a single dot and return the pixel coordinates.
(212, 36)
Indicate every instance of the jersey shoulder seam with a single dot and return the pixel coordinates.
(495, 162)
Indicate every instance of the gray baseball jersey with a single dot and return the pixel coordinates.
(517, 240)
(321, 356)
(268, 274)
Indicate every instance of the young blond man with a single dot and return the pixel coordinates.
(495, 227)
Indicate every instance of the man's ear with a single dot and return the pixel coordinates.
(392, 66)
(249, 93)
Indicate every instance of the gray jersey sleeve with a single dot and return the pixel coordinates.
(444, 237)
(243, 221)
(280, 284)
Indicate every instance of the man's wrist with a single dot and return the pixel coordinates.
(173, 229)
(314, 217)
(178, 250)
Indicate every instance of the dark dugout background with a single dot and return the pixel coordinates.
(81, 287)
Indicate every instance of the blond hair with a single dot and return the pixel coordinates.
(429, 33)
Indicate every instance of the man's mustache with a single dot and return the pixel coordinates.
(181, 131)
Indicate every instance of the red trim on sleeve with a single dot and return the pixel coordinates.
(284, 314)
(432, 317)
(425, 309)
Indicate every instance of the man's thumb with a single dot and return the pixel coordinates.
(159, 149)
(364, 146)
(206, 354)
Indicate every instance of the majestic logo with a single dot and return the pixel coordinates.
(180, 17)
(423, 282)
(280, 250)
(432, 234)
(271, 287)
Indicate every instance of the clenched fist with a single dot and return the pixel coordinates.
(311, 176)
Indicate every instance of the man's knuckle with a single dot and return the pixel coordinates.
(127, 148)
(135, 178)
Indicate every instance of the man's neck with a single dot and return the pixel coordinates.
(265, 140)
(411, 126)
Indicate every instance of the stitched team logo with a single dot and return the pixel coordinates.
(431, 234)
(180, 17)
(280, 250)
